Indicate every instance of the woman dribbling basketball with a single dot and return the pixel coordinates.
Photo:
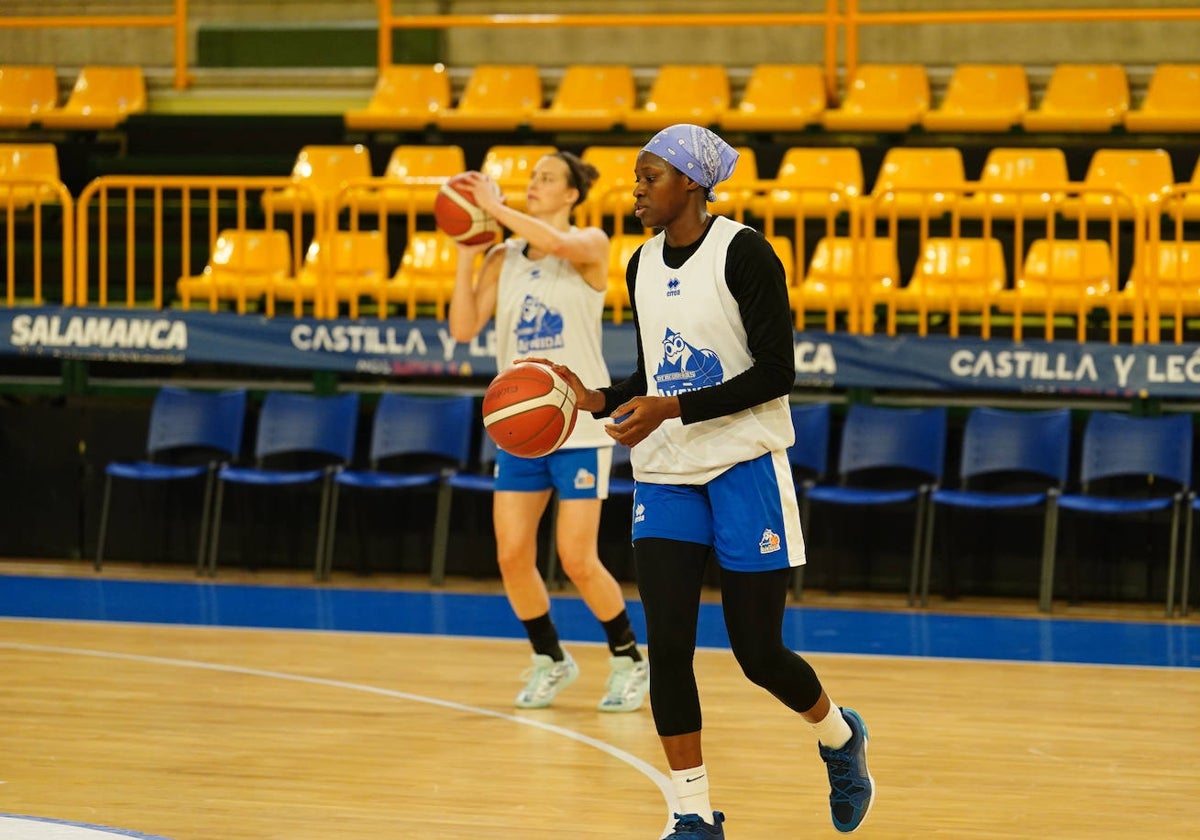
(545, 285)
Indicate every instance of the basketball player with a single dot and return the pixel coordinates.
(709, 429)
(546, 286)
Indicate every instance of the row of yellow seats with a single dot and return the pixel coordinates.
(102, 97)
(781, 97)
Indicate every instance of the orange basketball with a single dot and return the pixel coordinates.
(457, 215)
(529, 410)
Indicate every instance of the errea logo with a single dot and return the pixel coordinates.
(639, 513)
(673, 287)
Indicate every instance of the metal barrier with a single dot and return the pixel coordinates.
(37, 205)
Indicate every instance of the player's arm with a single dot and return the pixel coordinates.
(756, 280)
(473, 301)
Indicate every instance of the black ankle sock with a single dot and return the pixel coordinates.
(544, 637)
(621, 640)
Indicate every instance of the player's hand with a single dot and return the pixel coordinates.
(585, 399)
(633, 421)
(484, 190)
(469, 252)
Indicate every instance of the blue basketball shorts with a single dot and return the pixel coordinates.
(749, 515)
(574, 473)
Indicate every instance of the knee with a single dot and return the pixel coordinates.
(761, 665)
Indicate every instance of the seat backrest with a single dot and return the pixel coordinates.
(1070, 261)
(513, 163)
(620, 252)
(425, 161)
(359, 253)
(327, 169)
(1173, 87)
(406, 424)
(985, 86)
(888, 87)
(1174, 262)
(877, 437)
(301, 423)
(501, 87)
(28, 89)
(810, 450)
(1002, 441)
(415, 88)
(833, 261)
(615, 165)
(590, 87)
(1032, 167)
(697, 88)
(784, 88)
(28, 162)
(905, 166)
(736, 186)
(970, 260)
(120, 90)
(252, 251)
(1098, 88)
(782, 246)
(1146, 174)
(821, 168)
(1121, 445)
(182, 418)
(430, 253)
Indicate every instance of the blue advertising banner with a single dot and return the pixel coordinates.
(400, 348)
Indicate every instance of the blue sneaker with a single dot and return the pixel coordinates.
(852, 790)
(691, 827)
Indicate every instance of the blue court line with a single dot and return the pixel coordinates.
(814, 630)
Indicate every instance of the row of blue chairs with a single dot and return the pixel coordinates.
(1009, 460)
(888, 456)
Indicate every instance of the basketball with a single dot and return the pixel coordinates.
(529, 410)
(457, 216)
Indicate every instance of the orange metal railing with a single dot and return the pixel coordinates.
(40, 205)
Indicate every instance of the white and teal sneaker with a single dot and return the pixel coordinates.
(544, 679)
(628, 682)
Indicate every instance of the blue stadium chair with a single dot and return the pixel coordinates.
(889, 456)
(416, 442)
(1129, 465)
(301, 440)
(1186, 581)
(192, 434)
(1010, 460)
(809, 458)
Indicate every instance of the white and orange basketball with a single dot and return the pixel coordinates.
(529, 410)
(457, 215)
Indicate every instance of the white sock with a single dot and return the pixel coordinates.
(833, 731)
(691, 787)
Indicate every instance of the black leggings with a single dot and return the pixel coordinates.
(670, 575)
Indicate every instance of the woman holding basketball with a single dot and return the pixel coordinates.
(545, 286)
(706, 414)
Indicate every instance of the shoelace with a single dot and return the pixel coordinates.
(691, 824)
(843, 778)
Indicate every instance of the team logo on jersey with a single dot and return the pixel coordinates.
(673, 287)
(539, 327)
(769, 542)
(639, 513)
(584, 480)
(686, 367)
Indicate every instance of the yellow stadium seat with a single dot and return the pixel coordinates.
(612, 193)
(918, 181)
(102, 98)
(882, 97)
(243, 264)
(26, 92)
(1067, 274)
(425, 275)
(407, 97)
(1175, 281)
(970, 271)
(1081, 97)
(782, 246)
(323, 171)
(421, 167)
(511, 167)
(27, 163)
(1187, 200)
(1144, 175)
(811, 179)
(1172, 101)
(352, 263)
(620, 250)
(682, 93)
(778, 97)
(497, 97)
(845, 272)
(736, 194)
(1031, 179)
(589, 98)
(981, 97)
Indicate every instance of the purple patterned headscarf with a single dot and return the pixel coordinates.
(696, 152)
